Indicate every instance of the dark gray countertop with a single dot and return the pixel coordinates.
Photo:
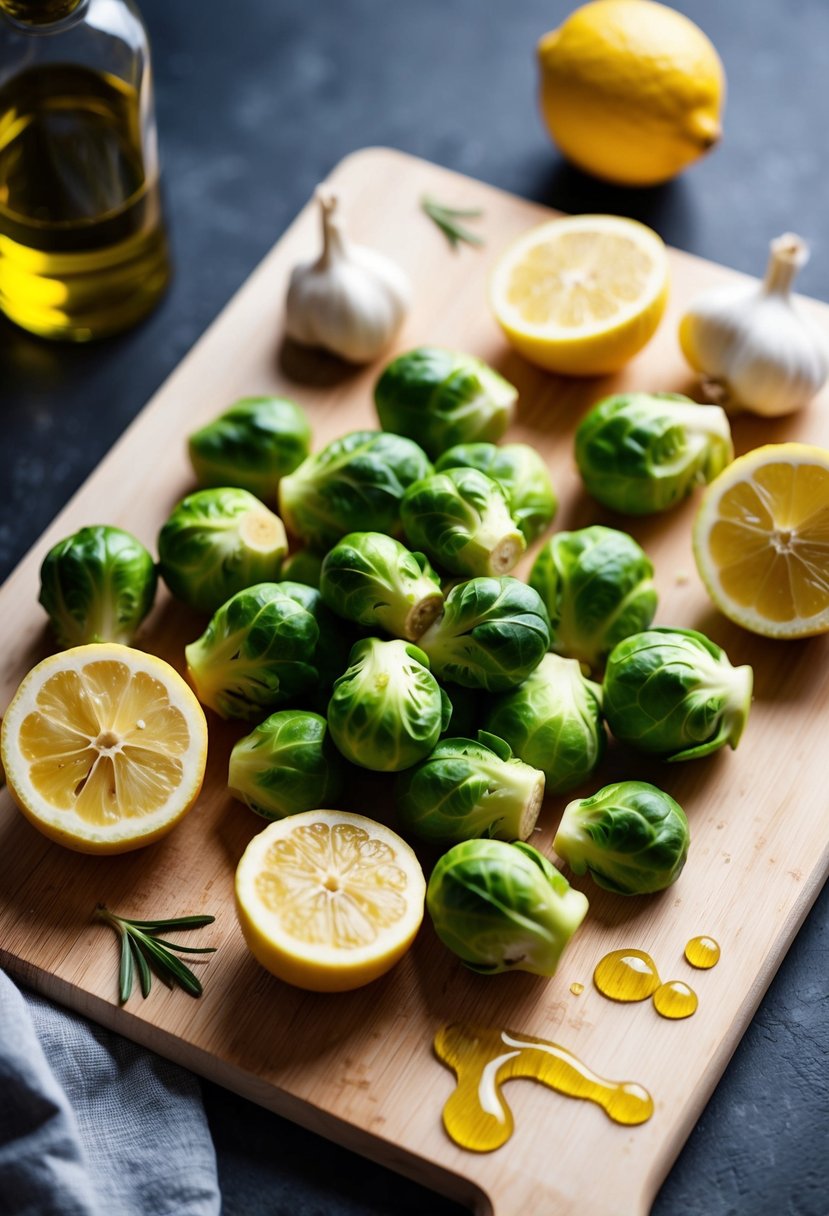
(256, 102)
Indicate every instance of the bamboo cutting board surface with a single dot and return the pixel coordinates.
(359, 1067)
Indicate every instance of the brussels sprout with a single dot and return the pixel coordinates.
(257, 653)
(631, 836)
(503, 907)
(441, 397)
(387, 711)
(304, 567)
(217, 542)
(673, 693)
(492, 634)
(354, 484)
(251, 445)
(462, 520)
(372, 579)
(286, 765)
(97, 586)
(467, 788)
(639, 453)
(521, 474)
(597, 585)
(553, 721)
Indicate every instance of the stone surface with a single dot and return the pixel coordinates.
(256, 102)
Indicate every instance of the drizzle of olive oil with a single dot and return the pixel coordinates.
(702, 953)
(476, 1116)
(675, 999)
(631, 975)
(83, 251)
(576, 988)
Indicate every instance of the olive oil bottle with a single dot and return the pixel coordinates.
(83, 251)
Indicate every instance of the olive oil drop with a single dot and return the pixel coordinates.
(83, 251)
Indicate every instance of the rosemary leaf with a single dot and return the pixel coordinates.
(125, 972)
(447, 219)
(184, 949)
(180, 922)
(174, 967)
(144, 973)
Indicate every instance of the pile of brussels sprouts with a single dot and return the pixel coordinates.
(395, 639)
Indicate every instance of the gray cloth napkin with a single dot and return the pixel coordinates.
(91, 1125)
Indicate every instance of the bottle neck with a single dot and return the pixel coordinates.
(39, 12)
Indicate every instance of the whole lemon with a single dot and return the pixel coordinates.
(631, 91)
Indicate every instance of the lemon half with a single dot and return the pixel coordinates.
(582, 294)
(104, 748)
(328, 900)
(761, 540)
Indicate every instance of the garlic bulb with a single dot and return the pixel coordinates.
(755, 349)
(351, 300)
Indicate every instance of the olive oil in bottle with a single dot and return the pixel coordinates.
(83, 251)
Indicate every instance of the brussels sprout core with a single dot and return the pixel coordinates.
(372, 579)
(673, 693)
(503, 907)
(467, 788)
(631, 836)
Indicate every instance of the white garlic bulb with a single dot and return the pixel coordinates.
(755, 349)
(350, 300)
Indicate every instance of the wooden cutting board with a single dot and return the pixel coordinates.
(359, 1068)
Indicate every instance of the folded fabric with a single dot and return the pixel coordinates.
(91, 1125)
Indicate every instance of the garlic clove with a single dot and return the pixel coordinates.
(350, 300)
(754, 347)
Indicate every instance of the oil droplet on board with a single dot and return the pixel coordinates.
(576, 988)
(476, 1116)
(675, 1000)
(626, 975)
(702, 952)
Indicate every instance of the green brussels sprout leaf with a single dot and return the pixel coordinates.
(286, 765)
(251, 445)
(303, 567)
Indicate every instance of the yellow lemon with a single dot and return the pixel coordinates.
(631, 91)
(327, 900)
(582, 294)
(104, 748)
(761, 540)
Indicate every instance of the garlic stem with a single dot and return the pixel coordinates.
(333, 241)
(788, 255)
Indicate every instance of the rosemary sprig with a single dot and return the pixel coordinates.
(145, 952)
(447, 218)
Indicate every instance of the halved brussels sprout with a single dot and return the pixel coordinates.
(554, 722)
(304, 567)
(521, 474)
(503, 907)
(251, 445)
(639, 453)
(631, 836)
(673, 693)
(97, 585)
(217, 542)
(285, 765)
(257, 653)
(442, 397)
(462, 520)
(387, 711)
(372, 579)
(492, 634)
(468, 788)
(597, 585)
(354, 484)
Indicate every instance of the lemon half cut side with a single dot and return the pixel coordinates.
(581, 295)
(761, 540)
(328, 900)
(104, 748)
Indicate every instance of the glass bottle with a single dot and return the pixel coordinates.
(83, 252)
